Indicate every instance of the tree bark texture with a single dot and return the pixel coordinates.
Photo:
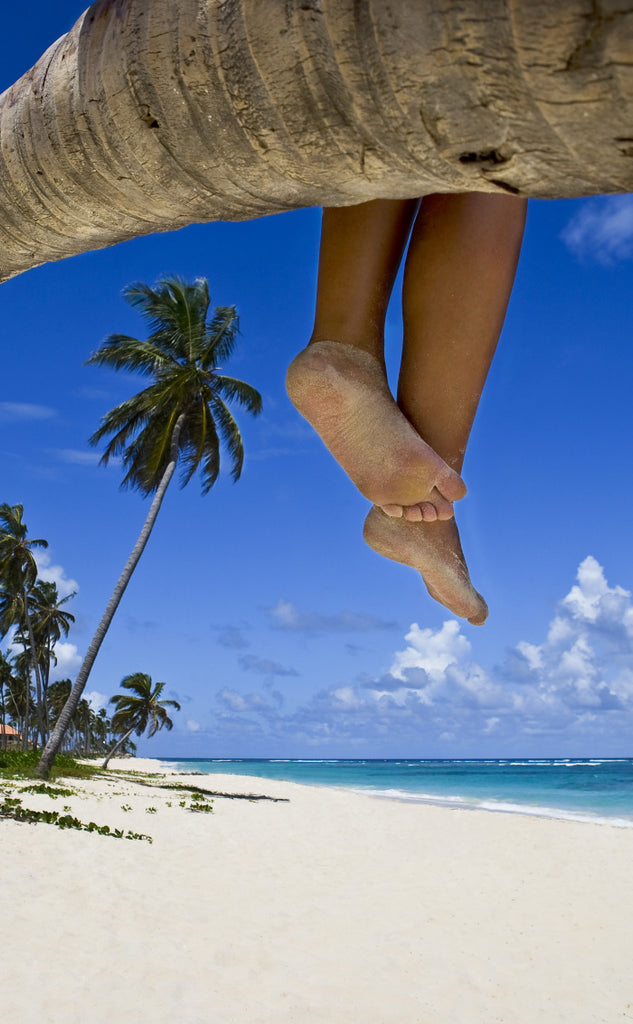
(152, 114)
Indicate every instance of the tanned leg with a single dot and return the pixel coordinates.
(339, 384)
(459, 273)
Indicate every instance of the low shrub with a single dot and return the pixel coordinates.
(22, 763)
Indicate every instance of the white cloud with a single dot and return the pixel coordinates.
(193, 726)
(78, 456)
(25, 411)
(55, 574)
(97, 700)
(573, 688)
(234, 701)
(430, 651)
(68, 661)
(82, 457)
(602, 229)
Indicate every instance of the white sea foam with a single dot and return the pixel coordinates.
(499, 807)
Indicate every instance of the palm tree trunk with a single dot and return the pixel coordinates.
(36, 669)
(201, 110)
(4, 717)
(119, 743)
(45, 679)
(54, 743)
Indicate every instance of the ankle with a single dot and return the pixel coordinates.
(369, 341)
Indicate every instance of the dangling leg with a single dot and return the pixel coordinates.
(459, 273)
(339, 382)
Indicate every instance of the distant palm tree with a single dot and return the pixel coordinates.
(140, 709)
(51, 621)
(5, 680)
(18, 576)
(181, 417)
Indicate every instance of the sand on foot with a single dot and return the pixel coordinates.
(343, 392)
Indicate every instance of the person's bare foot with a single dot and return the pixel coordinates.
(434, 549)
(343, 392)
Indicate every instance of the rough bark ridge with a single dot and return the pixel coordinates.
(150, 115)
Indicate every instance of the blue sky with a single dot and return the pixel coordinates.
(259, 605)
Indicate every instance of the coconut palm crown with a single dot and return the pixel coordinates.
(188, 394)
(139, 709)
(180, 419)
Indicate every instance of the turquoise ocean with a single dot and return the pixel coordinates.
(582, 789)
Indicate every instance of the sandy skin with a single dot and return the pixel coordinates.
(435, 551)
(343, 393)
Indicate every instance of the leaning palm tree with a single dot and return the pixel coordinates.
(181, 418)
(137, 710)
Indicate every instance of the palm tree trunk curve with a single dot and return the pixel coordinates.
(56, 738)
(119, 743)
(148, 116)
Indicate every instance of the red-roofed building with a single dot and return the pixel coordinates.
(9, 736)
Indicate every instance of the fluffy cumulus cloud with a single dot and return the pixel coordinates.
(55, 574)
(96, 700)
(68, 661)
(574, 689)
(602, 229)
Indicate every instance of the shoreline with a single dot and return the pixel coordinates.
(489, 805)
(318, 906)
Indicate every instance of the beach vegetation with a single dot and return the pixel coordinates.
(181, 419)
(200, 804)
(139, 710)
(46, 790)
(11, 807)
(16, 764)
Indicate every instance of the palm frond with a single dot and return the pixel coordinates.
(239, 391)
(230, 434)
(122, 352)
(199, 443)
(220, 337)
(175, 311)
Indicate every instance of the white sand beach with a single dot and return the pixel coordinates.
(331, 907)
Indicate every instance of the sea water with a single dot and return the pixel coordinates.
(583, 789)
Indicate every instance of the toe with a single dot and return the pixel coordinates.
(481, 615)
(443, 508)
(451, 485)
(413, 513)
(394, 511)
(429, 514)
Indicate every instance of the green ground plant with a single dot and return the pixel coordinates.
(22, 764)
(11, 807)
(200, 803)
(46, 790)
